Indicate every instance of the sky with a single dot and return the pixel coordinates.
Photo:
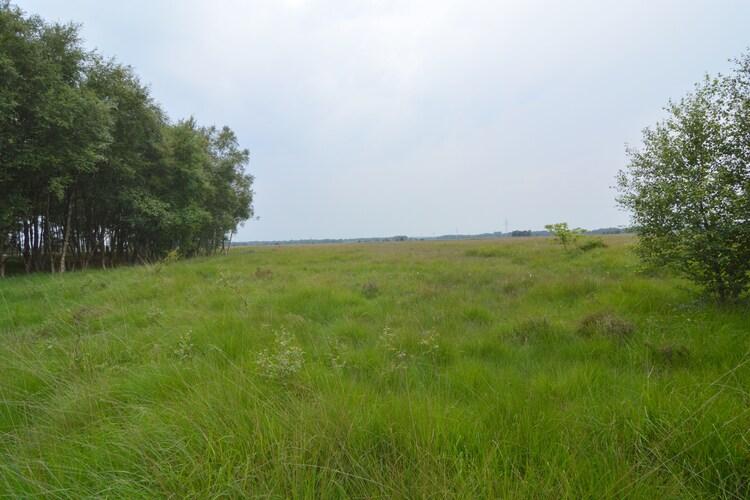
(419, 118)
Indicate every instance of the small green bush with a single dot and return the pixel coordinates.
(284, 360)
(185, 348)
(563, 235)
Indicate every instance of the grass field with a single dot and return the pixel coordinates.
(492, 368)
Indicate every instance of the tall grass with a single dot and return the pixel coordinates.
(468, 368)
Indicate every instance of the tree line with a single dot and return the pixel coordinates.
(92, 171)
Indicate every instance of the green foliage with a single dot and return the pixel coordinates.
(93, 171)
(185, 348)
(284, 360)
(564, 235)
(688, 187)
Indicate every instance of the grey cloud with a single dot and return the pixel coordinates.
(420, 117)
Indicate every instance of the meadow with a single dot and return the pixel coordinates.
(482, 368)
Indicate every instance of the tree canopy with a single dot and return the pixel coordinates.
(688, 187)
(92, 172)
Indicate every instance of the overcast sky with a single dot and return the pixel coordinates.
(422, 118)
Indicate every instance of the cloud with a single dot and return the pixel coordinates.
(419, 117)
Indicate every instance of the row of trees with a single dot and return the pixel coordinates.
(688, 186)
(92, 172)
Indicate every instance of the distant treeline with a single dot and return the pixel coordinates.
(517, 233)
(92, 172)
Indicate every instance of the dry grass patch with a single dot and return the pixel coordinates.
(605, 322)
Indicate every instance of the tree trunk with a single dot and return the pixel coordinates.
(75, 246)
(26, 246)
(103, 249)
(48, 236)
(2, 254)
(229, 245)
(66, 237)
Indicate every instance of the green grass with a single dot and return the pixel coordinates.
(498, 368)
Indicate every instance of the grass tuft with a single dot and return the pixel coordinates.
(370, 290)
(607, 323)
(592, 244)
(668, 355)
(531, 329)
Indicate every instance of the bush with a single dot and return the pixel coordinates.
(563, 234)
(687, 188)
(284, 360)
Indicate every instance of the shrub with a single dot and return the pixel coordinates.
(428, 344)
(563, 234)
(396, 356)
(687, 187)
(284, 360)
(184, 349)
(336, 351)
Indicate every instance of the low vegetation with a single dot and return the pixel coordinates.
(504, 368)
